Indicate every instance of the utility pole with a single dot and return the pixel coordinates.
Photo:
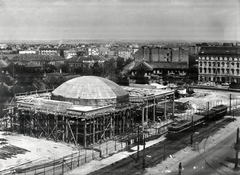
(191, 139)
(143, 165)
(230, 105)
(236, 147)
(138, 144)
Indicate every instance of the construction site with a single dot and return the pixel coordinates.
(89, 111)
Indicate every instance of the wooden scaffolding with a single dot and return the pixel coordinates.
(85, 128)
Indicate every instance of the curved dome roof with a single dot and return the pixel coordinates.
(91, 90)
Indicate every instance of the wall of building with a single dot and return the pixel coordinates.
(146, 55)
(155, 54)
(219, 68)
(183, 54)
(175, 54)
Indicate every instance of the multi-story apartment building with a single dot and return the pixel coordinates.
(48, 51)
(40, 60)
(165, 63)
(219, 64)
(27, 52)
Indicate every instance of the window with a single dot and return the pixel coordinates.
(222, 71)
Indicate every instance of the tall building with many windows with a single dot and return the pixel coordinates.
(219, 64)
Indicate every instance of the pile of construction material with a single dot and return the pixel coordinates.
(9, 151)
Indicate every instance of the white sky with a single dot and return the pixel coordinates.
(120, 19)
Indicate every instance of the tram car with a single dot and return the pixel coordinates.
(216, 112)
(179, 126)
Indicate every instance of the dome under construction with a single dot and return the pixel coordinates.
(91, 91)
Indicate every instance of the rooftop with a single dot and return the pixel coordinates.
(220, 50)
(86, 58)
(149, 66)
(31, 57)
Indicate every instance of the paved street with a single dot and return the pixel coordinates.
(212, 158)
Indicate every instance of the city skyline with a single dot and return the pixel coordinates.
(166, 20)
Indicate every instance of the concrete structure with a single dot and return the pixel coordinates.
(219, 64)
(91, 91)
(46, 116)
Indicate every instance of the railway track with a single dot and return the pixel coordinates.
(158, 152)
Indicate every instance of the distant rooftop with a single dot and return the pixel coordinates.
(86, 58)
(220, 50)
(30, 57)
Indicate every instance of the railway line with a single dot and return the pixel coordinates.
(158, 152)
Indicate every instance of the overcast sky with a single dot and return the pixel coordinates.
(120, 19)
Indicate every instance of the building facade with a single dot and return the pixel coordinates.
(85, 61)
(27, 52)
(162, 63)
(48, 51)
(40, 60)
(219, 64)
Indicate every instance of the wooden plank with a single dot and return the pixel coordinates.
(72, 133)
